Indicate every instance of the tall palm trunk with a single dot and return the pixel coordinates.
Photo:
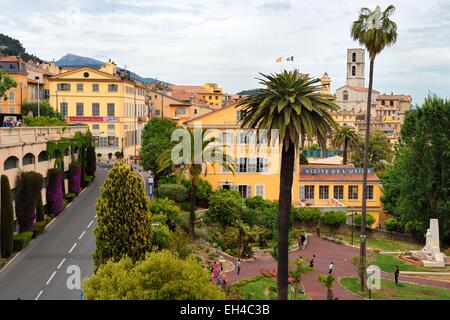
(284, 210)
(362, 260)
(345, 151)
(192, 209)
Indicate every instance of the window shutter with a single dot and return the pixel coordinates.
(249, 191)
(302, 192)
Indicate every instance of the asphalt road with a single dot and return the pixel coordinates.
(44, 268)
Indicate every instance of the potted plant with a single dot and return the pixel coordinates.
(99, 156)
(109, 156)
(118, 155)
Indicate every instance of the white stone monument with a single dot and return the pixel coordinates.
(434, 257)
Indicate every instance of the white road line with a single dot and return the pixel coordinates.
(90, 224)
(39, 294)
(81, 236)
(73, 247)
(95, 217)
(51, 277)
(61, 263)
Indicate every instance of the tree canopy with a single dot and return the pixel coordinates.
(380, 152)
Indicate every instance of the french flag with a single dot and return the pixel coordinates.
(290, 58)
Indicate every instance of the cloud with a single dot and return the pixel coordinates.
(275, 6)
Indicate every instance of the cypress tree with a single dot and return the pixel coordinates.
(124, 219)
(29, 191)
(91, 162)
(6, 218)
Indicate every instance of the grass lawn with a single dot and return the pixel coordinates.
(255, 289)
(383, 244)
(387, 263)
(404, 291)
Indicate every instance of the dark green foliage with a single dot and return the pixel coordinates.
(45, 109)
(39, 228)
(6, 219)
(29, 191)
(380, 152)
(185, 206)
(118, 155)
(166, 207)
(308, 216)
(393, 225)
(88, 180)
(91, 164)
(21, 240)
(203, 192)
(156, 138)
(13, 47)
(40, 212)
(256, 203)
(70, 196)
(369, 220)
(303, 159)
(416, 187)
(334, 219)
(225, 207)
(175, 192)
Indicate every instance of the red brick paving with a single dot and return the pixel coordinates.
(326, 252)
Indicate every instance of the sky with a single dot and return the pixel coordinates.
(231, 41)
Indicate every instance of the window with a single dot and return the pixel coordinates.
(354, 57)
(338, 193)
(95, 87)
(64, 106)
(80, 87)
(43, 156)
(391, 103)
(243, 137)
(103, 142)
(11, 163)
(95, 109)
(242, 164)
(227, 138)
(28, 159)
(217, 97)
(353, 71)
(345, 95)
(113, 88)
(95, 127)
(12, 110)
(210, 97)
(309, 192)
(353, 192)
(245, 191)
(324, 192)
(12, 96)
(63, 87)
(260, 190)
(180, 111)
(110, 111)
(369, 192)
(383, 102)
(80, 109)
(262, 165)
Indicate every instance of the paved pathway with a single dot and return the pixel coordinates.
(325, 252)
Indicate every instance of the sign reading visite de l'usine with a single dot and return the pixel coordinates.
(322, 170)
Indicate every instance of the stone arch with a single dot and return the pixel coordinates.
(11, 163)
(27, 159)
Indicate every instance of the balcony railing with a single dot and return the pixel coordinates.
(26, 135)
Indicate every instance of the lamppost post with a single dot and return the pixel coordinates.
(353, 212)
(155, 226)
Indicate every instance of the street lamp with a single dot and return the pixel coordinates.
(38, 95)
(353, 213)
(155, 226)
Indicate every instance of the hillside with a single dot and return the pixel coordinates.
(12, 47)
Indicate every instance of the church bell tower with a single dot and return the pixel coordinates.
(355, 67)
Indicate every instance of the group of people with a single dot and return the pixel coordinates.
(11, 123)
(218, 275)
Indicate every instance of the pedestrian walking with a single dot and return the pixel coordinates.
(219, 280)
(238, 266)
(396, 274)
(311, 262)
(216, 269)
(302, 241)
(224, 280)
(331, 268)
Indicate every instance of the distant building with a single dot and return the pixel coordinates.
(16, 69)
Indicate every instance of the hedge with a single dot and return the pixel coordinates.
(29, 191)
(40, 212)
(370, 220)
(334, 219)
(74, 178)
(70, 196)
(39, 228)
(175, 192)
(22, 239)
(6, 219)
(54, 192)
(309, 216)
(91, 161)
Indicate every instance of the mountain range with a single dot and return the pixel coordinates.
(74, 61)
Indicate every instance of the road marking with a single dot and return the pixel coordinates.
(95, 217)
(39, 294)
(90, 224)
(81, 236)
(51, 277)
(61, 263)
(73, 247)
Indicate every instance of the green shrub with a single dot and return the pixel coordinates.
(370, 220)
(268, 218)
(225, 207)
(65, 203)
(6, 218)
(175, 192)
(308, 216)
(43, 122)
(185, 206)
(169, 179)
(393, 225)
(182, 220)
(164, 206)
(22, 239)
(416, 228)
(257, 203)
(163, 237)
(39, 228)
(203, 192)
(334, 219)
(88, 179)
(70, 196)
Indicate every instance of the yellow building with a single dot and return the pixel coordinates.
(110, 103)
(213, 94)
(209, 94)
(15, 68)
(258, 170)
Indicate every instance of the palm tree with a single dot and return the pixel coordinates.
(347, 137)
(291, 103)
(328, 282)
(194, 160)
(375, 31)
